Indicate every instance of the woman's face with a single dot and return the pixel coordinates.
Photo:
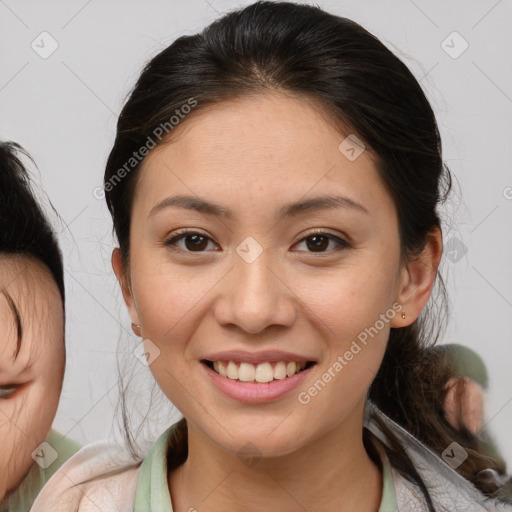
(253, 276)
(31, 366)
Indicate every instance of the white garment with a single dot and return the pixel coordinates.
(79, 484)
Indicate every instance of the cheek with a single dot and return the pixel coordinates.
(31, 412)
(14, 455)
(169, 296)
(24, 425)
(40, 419)
(45, 388)
(354, 321)
(352, 311)
(350, 299)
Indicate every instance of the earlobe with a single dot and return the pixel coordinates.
(418, 279)
(122, 279)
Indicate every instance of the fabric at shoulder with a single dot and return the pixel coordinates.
(100, 473)
(449, 491)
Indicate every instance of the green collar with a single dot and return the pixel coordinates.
(152, 487)
(153, 490)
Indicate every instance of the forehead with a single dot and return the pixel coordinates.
(252, 146)
(29, 292)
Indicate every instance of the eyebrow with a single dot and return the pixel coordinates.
(324, 202)
(17, 320)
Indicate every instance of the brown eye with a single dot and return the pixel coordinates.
(319, 242)
(192, 241)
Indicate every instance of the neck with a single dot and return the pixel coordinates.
(332, 473)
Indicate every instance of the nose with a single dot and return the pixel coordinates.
(255, 295)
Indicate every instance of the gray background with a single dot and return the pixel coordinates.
(63, 109)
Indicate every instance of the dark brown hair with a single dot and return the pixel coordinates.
(25, 229)
(303, 50)
(24, 226)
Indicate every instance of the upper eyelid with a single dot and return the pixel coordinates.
(16, 385)
(340, 239)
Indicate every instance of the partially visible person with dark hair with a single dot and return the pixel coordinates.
(32, 349)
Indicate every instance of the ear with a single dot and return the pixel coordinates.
(417, 280)
(124, 283)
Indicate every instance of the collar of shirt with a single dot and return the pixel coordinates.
(153, 490)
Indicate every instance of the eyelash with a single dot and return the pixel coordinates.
(8, 391)
(342, 244)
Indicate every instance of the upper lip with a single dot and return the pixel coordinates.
(263, 356)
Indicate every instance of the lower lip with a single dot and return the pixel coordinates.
(256, 392)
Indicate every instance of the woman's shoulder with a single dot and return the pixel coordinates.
(446, 494)
(99, 473)
(449, 491)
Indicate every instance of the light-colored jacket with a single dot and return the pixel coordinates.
(103, 477)
(450, 492)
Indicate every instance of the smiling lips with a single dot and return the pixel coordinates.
(261, 384)
(263, 366)
(262, 372)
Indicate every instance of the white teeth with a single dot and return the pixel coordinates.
(232, 371)
(220, 368)
(263, 372)
(291, 368)
(280, 370)
(246, 372)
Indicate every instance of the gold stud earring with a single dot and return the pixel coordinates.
(136, 329)
(403, 315)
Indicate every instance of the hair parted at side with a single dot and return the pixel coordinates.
(24, 227)
(368, 91)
